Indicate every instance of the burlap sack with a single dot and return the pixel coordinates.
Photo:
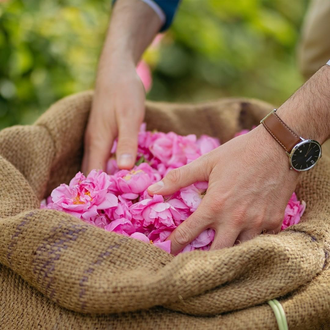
(57, 272)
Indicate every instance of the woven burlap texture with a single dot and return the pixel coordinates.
(58, 272)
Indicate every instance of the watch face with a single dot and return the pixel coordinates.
(305, 155)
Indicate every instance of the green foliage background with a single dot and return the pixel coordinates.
(215, 48)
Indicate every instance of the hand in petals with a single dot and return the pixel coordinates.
(117, 111)
(250, 184)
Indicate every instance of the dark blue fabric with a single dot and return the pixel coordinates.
(169, 8)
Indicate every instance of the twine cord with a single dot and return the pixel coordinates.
(279, 314)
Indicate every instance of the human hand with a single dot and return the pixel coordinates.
(117, 111)
(250, 184)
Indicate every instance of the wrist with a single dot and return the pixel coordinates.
(303, 153)
(114, 68)
(117, 59)
(129, 35)
(271, 153)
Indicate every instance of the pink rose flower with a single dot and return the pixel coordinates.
(207, 144)
(202, 242)
(100, 221)
(175, 150)
(162, 148)
(166, 246)
(140, 237)
(85, 196)
(121, 211)
(112, 167)
(137, 180)
(155, 212)
(193, 194)
(160, 235)
(293, 212)
(121, 226)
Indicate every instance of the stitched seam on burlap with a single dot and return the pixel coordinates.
(271, 133)
(326, 252)
(326, 256)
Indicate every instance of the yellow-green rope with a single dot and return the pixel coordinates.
(279, 314)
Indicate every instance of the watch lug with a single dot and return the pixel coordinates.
(263, 119)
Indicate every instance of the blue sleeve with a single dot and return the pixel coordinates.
(169, 8)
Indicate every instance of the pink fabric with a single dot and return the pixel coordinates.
(144, 73)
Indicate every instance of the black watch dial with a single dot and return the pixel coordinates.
(305, 155)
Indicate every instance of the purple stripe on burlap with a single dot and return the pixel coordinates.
(101, 257)
(18, 232)
(51, 250)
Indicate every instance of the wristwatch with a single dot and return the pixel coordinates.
(303, 154)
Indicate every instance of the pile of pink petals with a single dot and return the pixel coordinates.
(118, 200)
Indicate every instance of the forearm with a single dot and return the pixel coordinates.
(132, 27)
(307, 111)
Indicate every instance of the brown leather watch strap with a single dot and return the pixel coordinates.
(281, 132)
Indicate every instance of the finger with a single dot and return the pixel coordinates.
(225, 236)
(254, 232)
(198, 170)
(97, 151)
(248, 235)
(188, 230)
(84, 164)
(273, 230)
(273, 222)
(127, 144)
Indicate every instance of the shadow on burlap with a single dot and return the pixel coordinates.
(57, 272)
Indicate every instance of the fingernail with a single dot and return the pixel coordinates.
(156, 186)
(125, 160)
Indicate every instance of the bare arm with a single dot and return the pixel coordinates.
(132, 28)
(249, 196)
(118, 104)
(308, 110)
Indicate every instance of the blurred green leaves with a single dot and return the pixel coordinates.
(231, 48)
(49, 49)
(215, 48)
